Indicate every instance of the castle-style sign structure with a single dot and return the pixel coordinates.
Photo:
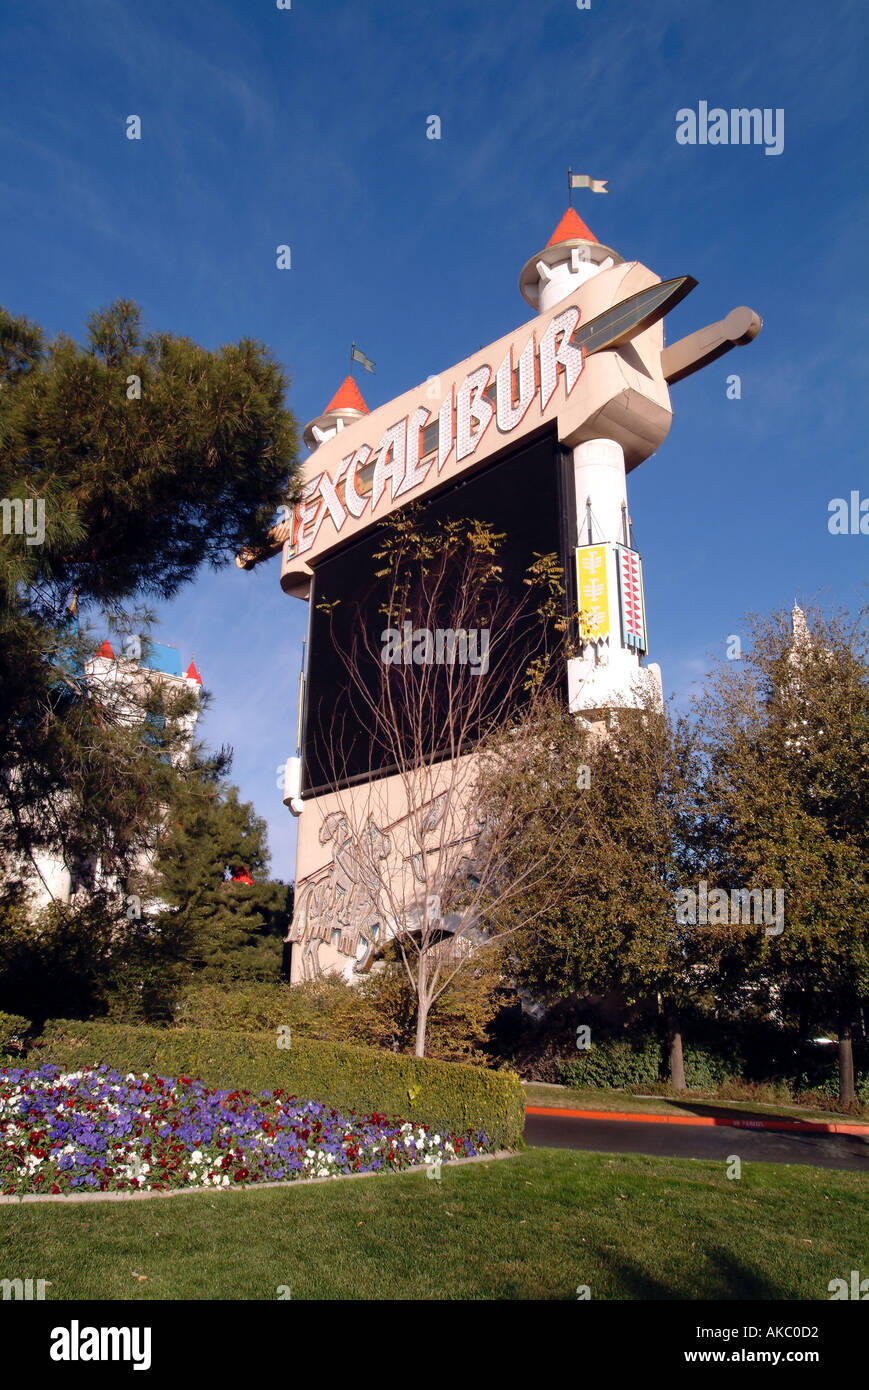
(564, 407)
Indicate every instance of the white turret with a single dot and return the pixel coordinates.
(345, 406)
(570, 257)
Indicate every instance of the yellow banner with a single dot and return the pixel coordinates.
(591, 585)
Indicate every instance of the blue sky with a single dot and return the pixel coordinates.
(308, 127)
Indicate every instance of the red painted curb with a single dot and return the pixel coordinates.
(805, 1126)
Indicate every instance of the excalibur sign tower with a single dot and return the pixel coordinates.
(536, 433)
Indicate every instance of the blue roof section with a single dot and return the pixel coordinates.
(158, 657)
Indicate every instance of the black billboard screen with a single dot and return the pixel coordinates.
(524, 495)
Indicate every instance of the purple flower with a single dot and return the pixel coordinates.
(177, 1134)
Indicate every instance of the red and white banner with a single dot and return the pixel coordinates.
(633, 606)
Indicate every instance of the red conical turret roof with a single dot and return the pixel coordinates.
(192, 674)
(571, 228)
(106, 651)
(347, 397)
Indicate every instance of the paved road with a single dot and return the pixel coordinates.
(689, 1141)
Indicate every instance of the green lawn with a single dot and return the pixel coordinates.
(533, 1226)
(569, 1098)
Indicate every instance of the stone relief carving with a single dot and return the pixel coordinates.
(341, 902)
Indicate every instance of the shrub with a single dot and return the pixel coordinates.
(443, 1095)
(14, 1029)
(87, 959)
(639, 1060)
(728, 1070)
(378, 1011)
(57, 958)
(706, 1069)
(246, 1006)
(614, 1062)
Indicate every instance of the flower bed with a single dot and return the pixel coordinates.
(98, 1131)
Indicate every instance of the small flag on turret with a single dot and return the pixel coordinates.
(357, 356)
(583, 181)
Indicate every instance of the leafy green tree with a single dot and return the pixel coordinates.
(85, 959)
(786, 806)
(626, 782)
(55, 963)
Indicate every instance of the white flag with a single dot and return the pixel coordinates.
(583, 181)
(357, 355)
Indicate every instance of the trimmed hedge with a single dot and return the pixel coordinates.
(444, 1095)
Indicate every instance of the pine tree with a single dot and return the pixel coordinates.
(125, 465)
(210, 877)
